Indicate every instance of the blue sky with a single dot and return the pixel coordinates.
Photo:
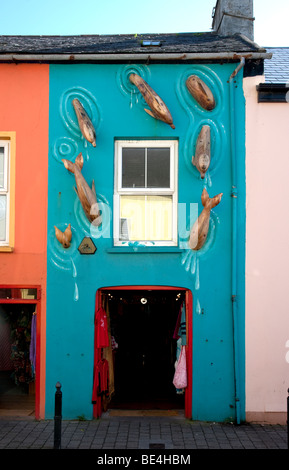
(65, 17)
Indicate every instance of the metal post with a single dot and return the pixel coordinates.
(57, 417)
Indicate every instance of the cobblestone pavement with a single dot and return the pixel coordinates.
(140, 433)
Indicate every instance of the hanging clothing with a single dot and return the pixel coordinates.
(180, 334)
(178, 349)
(108, 354)
(32, 347)
(183, 328)
(114, 344)
(101, 330)
(180, 377)
(5, 342)
(100, 380)
(180, 328)
(20, 339)
(177, 327)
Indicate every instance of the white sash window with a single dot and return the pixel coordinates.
(145, 198)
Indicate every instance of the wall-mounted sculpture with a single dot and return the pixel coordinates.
(201, 92)
(86, 195)
(158, 108)
(64, 237)
(202, 157)
(200, 228)
(84, 122)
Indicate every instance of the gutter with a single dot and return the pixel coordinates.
(234, 195)
(15, 57)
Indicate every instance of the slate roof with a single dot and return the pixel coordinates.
(277, 69)
(208, 42)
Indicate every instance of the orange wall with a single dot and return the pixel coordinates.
(24, 109)
(24, 99)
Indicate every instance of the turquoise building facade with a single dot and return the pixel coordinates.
(212, 278)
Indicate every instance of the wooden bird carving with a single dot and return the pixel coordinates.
(201, 92)
(64, 237)
(202, 157)
(84, 122)
(158, 108)
(87, 195)
(200, 229)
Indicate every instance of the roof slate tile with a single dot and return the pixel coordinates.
(127, 43)
(277, 69)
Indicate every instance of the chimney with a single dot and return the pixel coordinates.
(234, 17)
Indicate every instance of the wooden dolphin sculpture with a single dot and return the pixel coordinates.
(201, 92)
(202, 157)
(200, 228)
(64, 237)
(84, 122)
(158, 108)
(86, 195)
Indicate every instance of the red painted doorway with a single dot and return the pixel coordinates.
(141, 321)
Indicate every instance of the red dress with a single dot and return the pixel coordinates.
(101, 379)
(101, 332)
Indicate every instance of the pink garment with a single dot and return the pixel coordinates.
(180, 377)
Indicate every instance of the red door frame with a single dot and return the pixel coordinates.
(37, 303)
(189, 348)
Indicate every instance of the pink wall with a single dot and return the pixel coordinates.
(267, 256)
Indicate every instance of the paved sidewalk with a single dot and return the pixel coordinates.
(154, 433)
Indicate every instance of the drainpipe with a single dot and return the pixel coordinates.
(234, 195)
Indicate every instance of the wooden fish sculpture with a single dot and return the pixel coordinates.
(202, 157)
(158, 108)
(84, 122)
(87, 195)
(64, 237)
(200, 228)
(201, 92)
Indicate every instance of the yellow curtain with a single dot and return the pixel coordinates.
(148, 217)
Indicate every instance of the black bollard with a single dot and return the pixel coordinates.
(57, 417)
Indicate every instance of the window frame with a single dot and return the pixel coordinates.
(171, 191)
(8, 141)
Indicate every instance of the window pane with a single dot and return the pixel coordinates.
(133, 167)
(15, 293)
(158, 168)
(1, 167)
(146, 218)
(159, 218)
(132, 209)
(2, 218)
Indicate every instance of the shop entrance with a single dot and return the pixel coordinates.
(18, 312)
(144, 347)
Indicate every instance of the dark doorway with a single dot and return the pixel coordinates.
(17, 376)
(142, 324)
